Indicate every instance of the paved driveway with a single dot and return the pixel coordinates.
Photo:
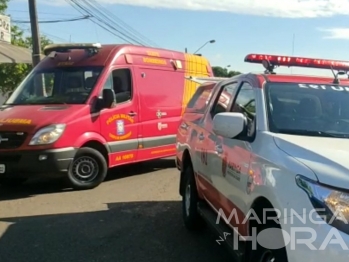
(134, 216)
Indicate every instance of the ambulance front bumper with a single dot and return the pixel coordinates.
(53, 162)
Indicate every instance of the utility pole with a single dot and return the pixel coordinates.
(35, 32)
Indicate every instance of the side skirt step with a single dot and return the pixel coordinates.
(224, 232)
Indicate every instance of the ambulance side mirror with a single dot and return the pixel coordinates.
(108, 98)
(229, 125)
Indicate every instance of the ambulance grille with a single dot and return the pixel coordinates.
(11, 140)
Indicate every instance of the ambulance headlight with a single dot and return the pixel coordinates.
(331, 204)
(47, 135)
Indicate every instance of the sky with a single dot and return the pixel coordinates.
(306, 28)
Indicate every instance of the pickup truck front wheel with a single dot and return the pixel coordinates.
(191, 216)
(265, 254)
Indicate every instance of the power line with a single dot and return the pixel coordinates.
(101, 23)
(106, 23)
(98, 17)
(102, 17)
(108, 20)
(119, 21)
(43, 13)
(27, 29)
(79, 9)
(53, 36)
(54, 21)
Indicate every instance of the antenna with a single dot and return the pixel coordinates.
(293, 41)
(336, 79)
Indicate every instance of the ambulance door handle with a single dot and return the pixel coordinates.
(132, 113)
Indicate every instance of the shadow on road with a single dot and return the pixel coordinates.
(47, 186)
(126, 232)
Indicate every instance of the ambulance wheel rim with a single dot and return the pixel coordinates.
(85, 169)
(187, 200)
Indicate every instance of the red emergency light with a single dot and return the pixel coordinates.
(292, 61)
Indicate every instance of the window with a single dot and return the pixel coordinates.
(57, 85)
(201, 98)
(46, 80)
(308, 109)
(224, 99)
(121, 82)
(245, 103)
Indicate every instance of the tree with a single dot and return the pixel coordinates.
(223, 72)
(12, 74)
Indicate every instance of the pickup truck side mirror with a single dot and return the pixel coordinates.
(229, 125)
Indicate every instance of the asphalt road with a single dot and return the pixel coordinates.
(134, 216)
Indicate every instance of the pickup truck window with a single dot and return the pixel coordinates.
(199, 101)
(308, 109)
(222, 102)
(245, 103)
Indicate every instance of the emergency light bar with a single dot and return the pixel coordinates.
(64, 48)
(275, 60)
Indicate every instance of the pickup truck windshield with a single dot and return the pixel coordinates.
(308, 109)
(66, 85)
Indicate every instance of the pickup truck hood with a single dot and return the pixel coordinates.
(29, 118)
(328, 158)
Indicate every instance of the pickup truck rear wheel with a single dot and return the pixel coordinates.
(88, 169)
(190, 199)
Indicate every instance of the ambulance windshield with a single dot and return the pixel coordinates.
(68, 85)
(308, 109)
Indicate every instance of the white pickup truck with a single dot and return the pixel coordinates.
(264, 160)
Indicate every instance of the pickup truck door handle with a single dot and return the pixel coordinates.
(132, 113)
(201, 136)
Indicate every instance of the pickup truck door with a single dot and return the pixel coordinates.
(212, 143)
(236, 158)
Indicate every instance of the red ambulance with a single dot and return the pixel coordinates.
(88, 107)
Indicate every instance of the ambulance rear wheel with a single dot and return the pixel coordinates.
(88, 169)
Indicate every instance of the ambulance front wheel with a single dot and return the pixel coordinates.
(88, 169)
